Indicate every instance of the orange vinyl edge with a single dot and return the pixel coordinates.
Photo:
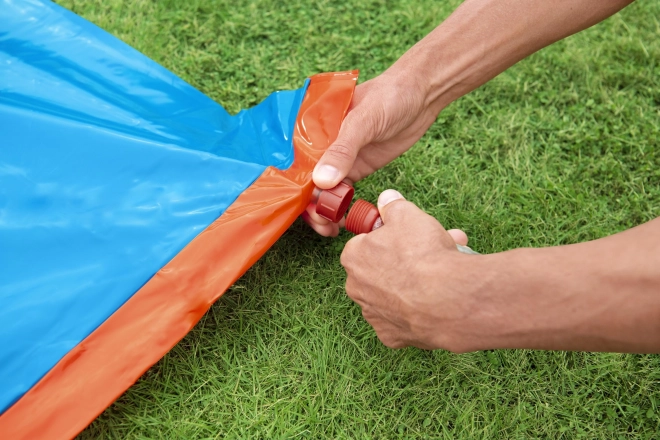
(108, 361)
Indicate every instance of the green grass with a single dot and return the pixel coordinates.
(564, 147)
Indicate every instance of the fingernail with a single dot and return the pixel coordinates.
(387, 196)
(326, 174)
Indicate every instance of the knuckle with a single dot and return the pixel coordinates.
(390, 341)
(350, 251)
(350, 287)
(408, 212)
(364, 116)
(365, 121)
(456, 347)
(396, 211)
(368, 316)
(352, 291)
(341, 152)
(398, 207)
(345, 258)
(324, 231)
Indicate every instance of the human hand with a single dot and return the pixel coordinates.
(415, 288)
(387, 116)
(476, 43)
(413, 285)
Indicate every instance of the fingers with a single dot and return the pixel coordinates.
(459, 236)
(355, 132)
(392, 213)
(326, 229)
(350, 253)
(313, 216)
(322, 225)
(387, 196)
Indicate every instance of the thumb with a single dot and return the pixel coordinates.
(407, 214)
(388, 212)
(338, 160)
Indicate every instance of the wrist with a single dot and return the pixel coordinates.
(453, 59)
(588, 296)
(421, 71)
(500, 319)
(521, 299)
(477, 306)
(539, 299)
(515, 300)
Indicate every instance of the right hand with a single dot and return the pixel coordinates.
(412, 284)
(387, 116)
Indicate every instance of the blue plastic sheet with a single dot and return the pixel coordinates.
(109, 166)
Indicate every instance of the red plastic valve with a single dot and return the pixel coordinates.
(332, 204)
(363, 218)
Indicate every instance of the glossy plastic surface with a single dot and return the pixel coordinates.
(109, 166)
(114, 356)
(332, 204)
(363, 218)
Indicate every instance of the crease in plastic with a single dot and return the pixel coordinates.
(109, 166)
(172, 302)
(128, 205)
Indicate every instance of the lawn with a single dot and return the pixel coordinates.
(562, 148)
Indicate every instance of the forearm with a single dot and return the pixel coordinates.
(482, 38)
(602, 295)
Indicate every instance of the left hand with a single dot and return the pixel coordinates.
(413, 285)
(387, 116)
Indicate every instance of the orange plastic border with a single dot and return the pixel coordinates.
(106, 363)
